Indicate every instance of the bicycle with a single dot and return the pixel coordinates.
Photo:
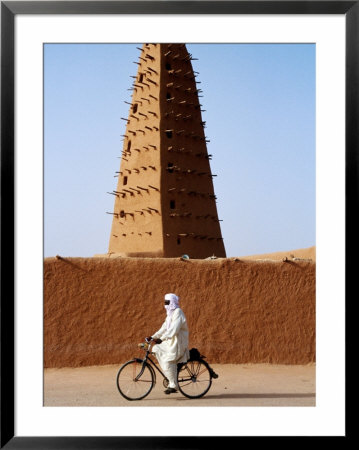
(137, 377)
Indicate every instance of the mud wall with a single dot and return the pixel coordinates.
(96, 310)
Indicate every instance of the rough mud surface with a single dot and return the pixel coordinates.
(239, 310)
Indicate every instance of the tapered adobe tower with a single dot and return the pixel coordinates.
(164, 202)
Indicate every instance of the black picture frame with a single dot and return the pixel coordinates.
(9, 9)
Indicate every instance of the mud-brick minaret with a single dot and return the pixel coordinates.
(164, 201)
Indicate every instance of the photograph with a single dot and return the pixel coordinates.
(179, 186)
(179, 224)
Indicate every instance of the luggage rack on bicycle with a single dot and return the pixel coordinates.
(137, 377)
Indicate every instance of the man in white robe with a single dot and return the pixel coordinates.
(172, 341)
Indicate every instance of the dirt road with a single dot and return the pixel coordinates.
(237, 385)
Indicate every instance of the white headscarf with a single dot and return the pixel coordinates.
(174, 304)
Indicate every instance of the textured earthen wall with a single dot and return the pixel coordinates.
(97, 310)
(192, 226)
(137, 227)
(164, 201)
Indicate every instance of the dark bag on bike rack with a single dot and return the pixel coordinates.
(194, 354)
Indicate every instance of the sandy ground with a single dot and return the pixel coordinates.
(237, 385)
(298, 254)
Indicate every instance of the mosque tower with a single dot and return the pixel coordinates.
(164, 201)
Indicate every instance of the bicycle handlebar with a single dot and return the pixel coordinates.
(147, 345)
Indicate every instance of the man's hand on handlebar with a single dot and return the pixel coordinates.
(150, 338)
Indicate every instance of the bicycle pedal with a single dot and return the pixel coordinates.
(170, 391)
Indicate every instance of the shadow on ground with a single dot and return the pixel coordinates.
(222, 396)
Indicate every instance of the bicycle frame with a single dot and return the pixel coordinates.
(152, 364)
(188, 374)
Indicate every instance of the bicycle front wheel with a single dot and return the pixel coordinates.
(135, 380)
(194, 379)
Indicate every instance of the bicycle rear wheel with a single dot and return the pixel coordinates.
(194, 379)
(135, 380)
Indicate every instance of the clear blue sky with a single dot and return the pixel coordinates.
(260, 115)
